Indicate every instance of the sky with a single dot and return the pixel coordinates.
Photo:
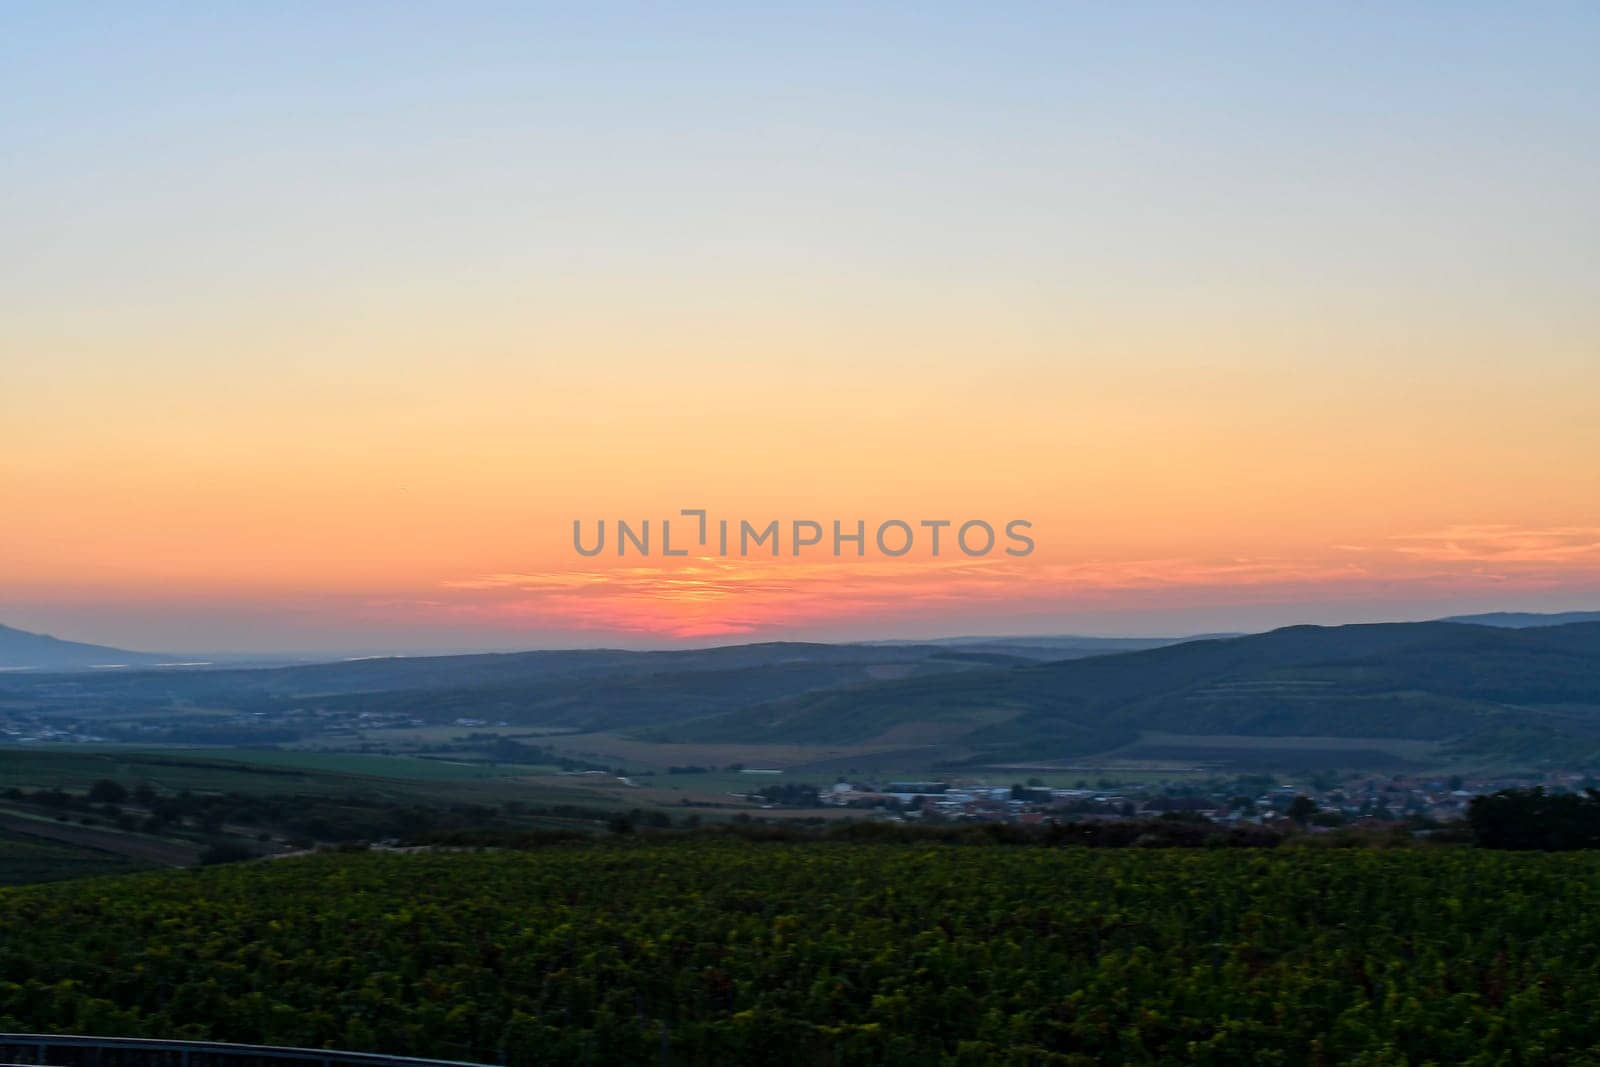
(320, 324)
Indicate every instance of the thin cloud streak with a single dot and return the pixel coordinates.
(1504, 544)
(714, 596)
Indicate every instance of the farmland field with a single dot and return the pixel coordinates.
(27, 858)
(268, 771)
(1282, 753)
(630, 751)
(734, 952)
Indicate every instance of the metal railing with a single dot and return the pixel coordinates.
(75, 1050)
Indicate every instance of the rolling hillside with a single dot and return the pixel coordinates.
(21, 650)
(1525, 694)
(1533, 691)
(1520, 619)
(585, 688)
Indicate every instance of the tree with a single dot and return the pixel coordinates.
(105, 791)
(1301, 808)
(1535, 819)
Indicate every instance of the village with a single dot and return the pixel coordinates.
(1320, 802)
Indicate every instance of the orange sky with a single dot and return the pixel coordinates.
(433, 503)
(301, 354)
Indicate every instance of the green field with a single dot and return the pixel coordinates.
(1243, 753)
(360, 763)
(739, 953)
(25, 858)
(271, 771)
(267, 801)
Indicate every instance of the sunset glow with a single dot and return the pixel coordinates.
(278, 376)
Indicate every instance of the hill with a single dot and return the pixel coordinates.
(21, 650)
(1523, 619)
(1380, 695)
(1053, 646)
(588, 689)
(593, 689)
(1526, 692)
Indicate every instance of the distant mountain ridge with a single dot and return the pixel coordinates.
(1519, 620)
(578, 689)
(587, 689)
(1525, 691)
(22, 650)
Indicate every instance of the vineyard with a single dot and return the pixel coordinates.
(834, 953)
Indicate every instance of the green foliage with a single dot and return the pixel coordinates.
(848, 953)
(226, 852)
(1534, 819)
(1301, 808)
(791, 794)
(107, 791)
